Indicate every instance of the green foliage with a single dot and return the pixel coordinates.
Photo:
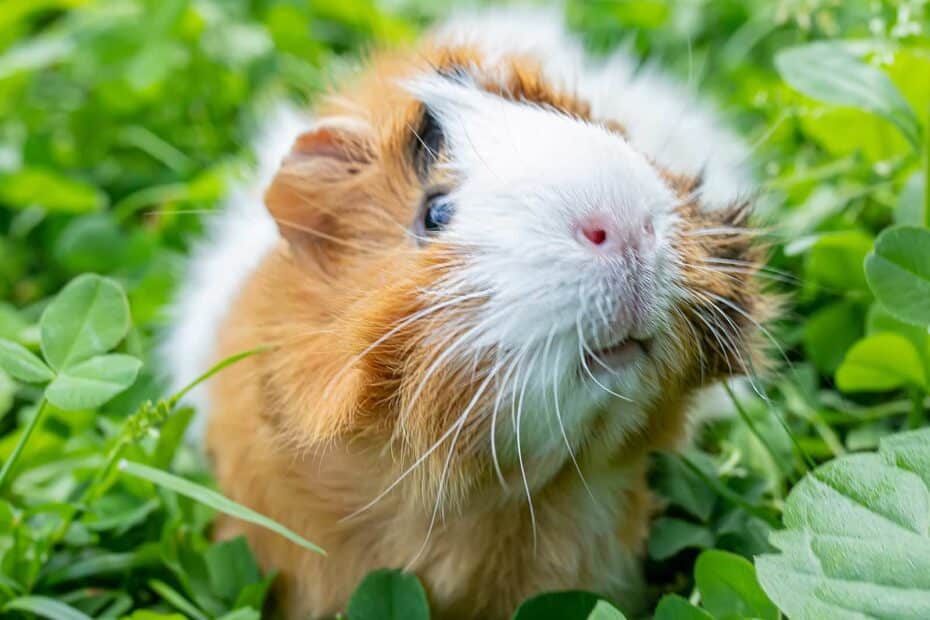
(728, 587)
(121, 124)
(856, 536)
(899, 272)
(389, 595)
(832, 73)
(570, 605)
(212, 499)
(883, 361)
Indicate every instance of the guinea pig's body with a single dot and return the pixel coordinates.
(498, 281)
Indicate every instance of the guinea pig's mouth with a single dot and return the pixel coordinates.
(618, 355)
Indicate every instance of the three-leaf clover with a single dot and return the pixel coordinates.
(88, 318)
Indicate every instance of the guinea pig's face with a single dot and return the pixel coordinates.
(568, 233)
(555, 283)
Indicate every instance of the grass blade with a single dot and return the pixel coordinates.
(214, 500)
(177, 600)
(46, 608)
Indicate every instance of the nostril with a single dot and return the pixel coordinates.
(594, 234)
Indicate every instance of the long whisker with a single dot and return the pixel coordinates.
(460, 424)
(697, 339)
(447, 353)
(325, 236)
(517, 429)
(558, 413)
(730, 336)
(497, 402)
(742, 312)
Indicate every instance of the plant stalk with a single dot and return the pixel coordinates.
(14, 456)
(807, 463)
(101, 481)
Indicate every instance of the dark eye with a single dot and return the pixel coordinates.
(437, 213)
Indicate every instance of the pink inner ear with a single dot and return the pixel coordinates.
(340, 139)
(320, 142)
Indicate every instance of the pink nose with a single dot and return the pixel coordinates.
(594, 233)
(604, 233)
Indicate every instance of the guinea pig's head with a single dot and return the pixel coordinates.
(516, 285)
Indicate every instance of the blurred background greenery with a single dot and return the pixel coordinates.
(122, 121)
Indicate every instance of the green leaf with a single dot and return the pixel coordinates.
(835, 260)
(675, 481)
(674, 607)
(7, 393)
(103, 564)
(605, 611)
(910, 207)
(567, 605)
(91, 243)
(254, 595)
(12, 325)
(170, 437)
(245, 613)
(22, 364)
(880, 320)
(875, 138)
(231, 567)
(898, 271)
(93, 382)
(884, 361)
(830, 332)
(177, 600)
(49, 190)
(89, 316)
(856, 537)
(35, 53)
(668, 536)
(45, 607)
(145, 614)
(119, 512)
(212, 499)
(728, 587)
(829, 72)
(389, 595)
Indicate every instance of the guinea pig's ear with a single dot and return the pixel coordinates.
(315, 180)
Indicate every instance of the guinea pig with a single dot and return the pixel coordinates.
(493, 273)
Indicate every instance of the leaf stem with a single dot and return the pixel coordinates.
(748, 421)
(18, 449)
(807, 463)
(99, 484)
(229, 361)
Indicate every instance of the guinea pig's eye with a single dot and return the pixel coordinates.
(437, 213)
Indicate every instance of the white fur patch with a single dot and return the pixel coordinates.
(536, 33)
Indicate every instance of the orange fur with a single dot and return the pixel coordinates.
(310, 432)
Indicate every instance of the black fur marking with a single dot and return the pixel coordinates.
(427, 144)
